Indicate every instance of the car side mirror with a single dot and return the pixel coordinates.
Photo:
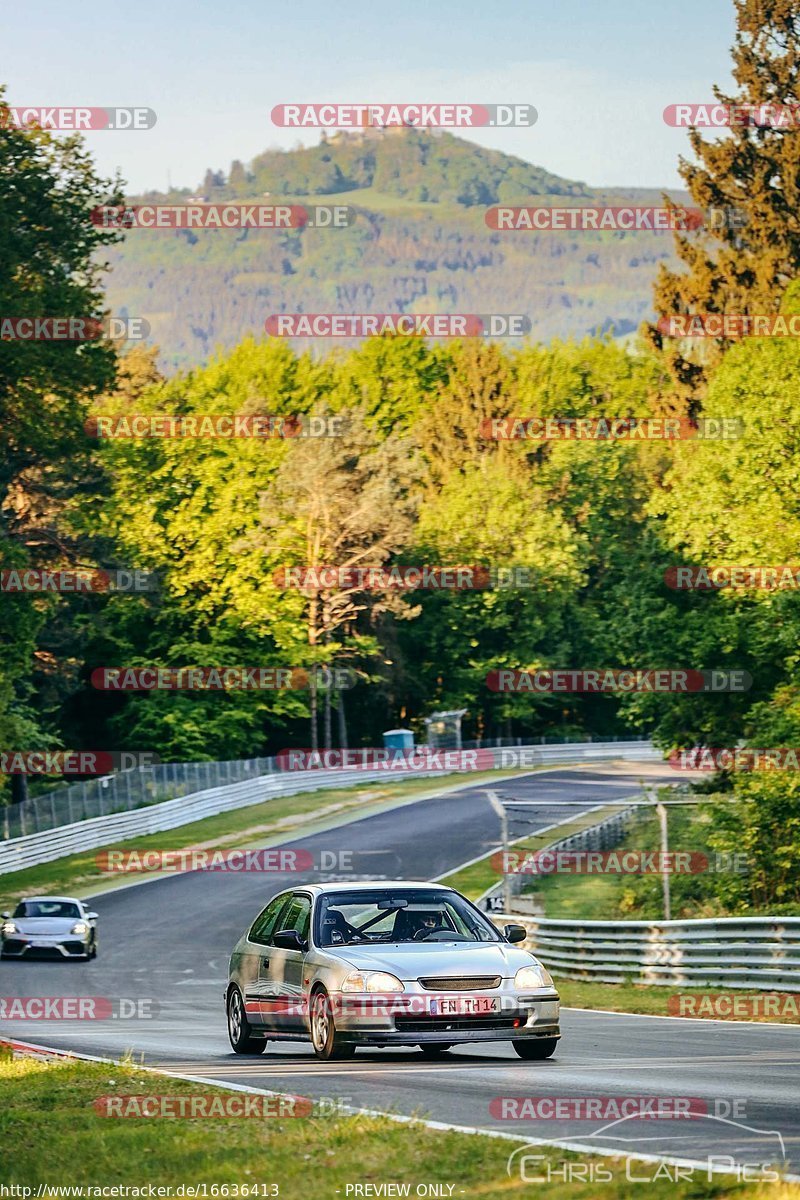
(5, 916)
(515, 933)
(91, 916)
(289, 939)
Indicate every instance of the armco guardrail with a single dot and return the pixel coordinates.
(130, 789)
(737, 952)
(20, 852)
(603, 835)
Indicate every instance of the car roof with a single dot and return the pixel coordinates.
(373, 885)
(62, 899)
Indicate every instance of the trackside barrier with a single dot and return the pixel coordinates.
(733, 952)
(20, 852)
(604, 835)
(134, 788)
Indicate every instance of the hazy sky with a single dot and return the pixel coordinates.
(600, 73)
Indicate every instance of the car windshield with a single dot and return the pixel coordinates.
(367, 917)
(47, 908)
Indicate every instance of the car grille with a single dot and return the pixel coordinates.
(454, 1024)
(460, 983)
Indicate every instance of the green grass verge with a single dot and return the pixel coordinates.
(647, 998)
(612, 897)
(598, 897)
(256, 825)
(479, 876)
(53, 1135)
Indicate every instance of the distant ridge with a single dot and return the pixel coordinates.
(411, 164)
(419, 243)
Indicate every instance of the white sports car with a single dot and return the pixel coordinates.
(49, 927)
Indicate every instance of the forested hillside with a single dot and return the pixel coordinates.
(419, 242)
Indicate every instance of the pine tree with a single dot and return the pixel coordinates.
(748, 182)
(237, 180)
(211, 180)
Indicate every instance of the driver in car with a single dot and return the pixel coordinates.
(417, 925)
(430, 921)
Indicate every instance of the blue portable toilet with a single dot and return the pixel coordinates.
(398, 739)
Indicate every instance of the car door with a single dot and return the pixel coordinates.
(257, 985)
(286, 966)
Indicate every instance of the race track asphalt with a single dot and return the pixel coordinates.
(167, 941)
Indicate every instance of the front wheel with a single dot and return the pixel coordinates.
(240, 1031)
(326, 1041)
(536, 1048)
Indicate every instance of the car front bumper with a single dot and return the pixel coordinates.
(24, 946)
(407, 1022)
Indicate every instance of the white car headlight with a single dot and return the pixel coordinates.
(9, 927)
(371, 981)
(534, 976)
(80, 927)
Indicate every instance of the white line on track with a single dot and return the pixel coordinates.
(447, 1127)
(614, 1012)
(293, 1067)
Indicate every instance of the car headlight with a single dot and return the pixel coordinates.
(80, 927)
(8, 927)
(533, 977)
(371, 981)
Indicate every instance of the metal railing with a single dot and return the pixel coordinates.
(603, 835)
(128, 790)
(734, 952)
(16, 853)
(125, 791)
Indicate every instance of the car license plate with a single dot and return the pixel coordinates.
(463, 1006)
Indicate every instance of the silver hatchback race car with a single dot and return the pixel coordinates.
(386, 964)
(49, 927)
